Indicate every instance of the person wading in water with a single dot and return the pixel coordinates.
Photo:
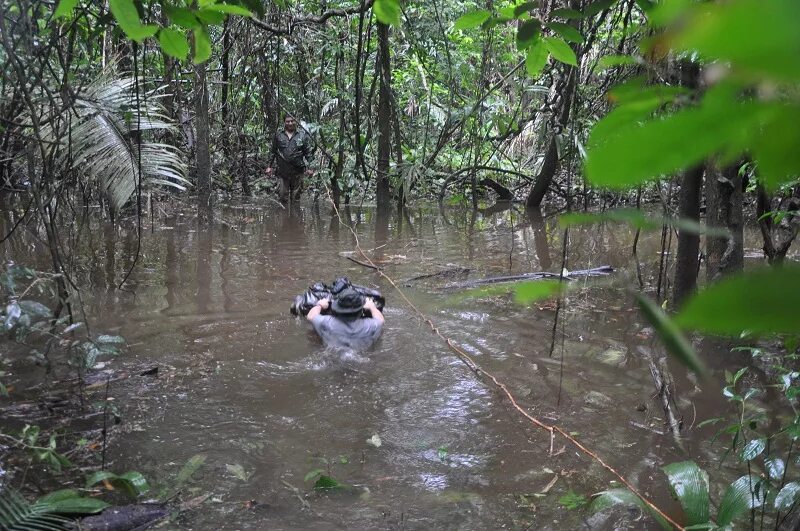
(289, 158)
(346, 328)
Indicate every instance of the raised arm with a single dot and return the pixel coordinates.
(322, 304)
(374, 312)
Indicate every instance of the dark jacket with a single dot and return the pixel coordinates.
(293, 155)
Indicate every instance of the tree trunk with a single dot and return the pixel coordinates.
(778, 237)
(550, 162)
(225, 87)
(383, 190)
(202, 153)
(338, 164)
(724, 210)
(687, 261)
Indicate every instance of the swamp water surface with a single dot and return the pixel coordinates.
(252, 389)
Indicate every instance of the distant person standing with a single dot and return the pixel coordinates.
(290, 158)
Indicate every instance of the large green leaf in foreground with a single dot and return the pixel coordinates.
(690, 485)
(760, 301)
(743, 494)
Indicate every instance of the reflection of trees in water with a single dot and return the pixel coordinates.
(205, 237)
(171, 264)
(540, 242)
(225, 269)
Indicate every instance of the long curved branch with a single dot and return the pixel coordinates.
(304, 21)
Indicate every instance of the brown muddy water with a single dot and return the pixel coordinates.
(249, 387)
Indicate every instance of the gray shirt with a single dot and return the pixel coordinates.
(355, 333)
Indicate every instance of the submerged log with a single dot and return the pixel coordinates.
(124, 518)
(541, 275)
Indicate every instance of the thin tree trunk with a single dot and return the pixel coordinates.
(687, 261)
(562, 113)
(225, 87)
(202, 153)
(551, 159)
(383, 187)
(724, 210)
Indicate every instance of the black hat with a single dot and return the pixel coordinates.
(349, 301)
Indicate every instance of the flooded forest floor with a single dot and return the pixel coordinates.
(215, 369)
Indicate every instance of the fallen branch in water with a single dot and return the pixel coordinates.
(359, 262)
(594, 272)
(449, 272)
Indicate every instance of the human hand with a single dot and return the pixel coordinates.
(324, 303)
(369, 304)
(268, 170)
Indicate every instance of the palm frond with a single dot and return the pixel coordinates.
(98, 139)
(16, 514)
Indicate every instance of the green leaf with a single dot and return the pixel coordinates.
(506, 13)
(596, 7)
(174, 43)
(524, 8)
(572, 500)
(787, 496)
(755, 301)
(609, 61)
(753, 449)
(317, 472)
(743, 494)
(775, 467)
(638, 219)
(770, 49)
(127, 16)
(561, 51)
(182, 17)
(535, 290)
(230, 9)
(58, 495)
(210, 17)
(387, 11)
(238, 471)
(202, 46)
(775, 149)
(99, 476)
(133, 482)
(528, 33)
(566, 13)
(327, 483)
(671, 336)
(569, 33)
(536, 59)
(69, 501)
(631, 153)
(690, 485)
(192, 465)
(65, 8)
(472, 19)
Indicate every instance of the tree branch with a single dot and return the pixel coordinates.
(304, 21)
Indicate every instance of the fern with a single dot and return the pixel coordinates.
(16, 514)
